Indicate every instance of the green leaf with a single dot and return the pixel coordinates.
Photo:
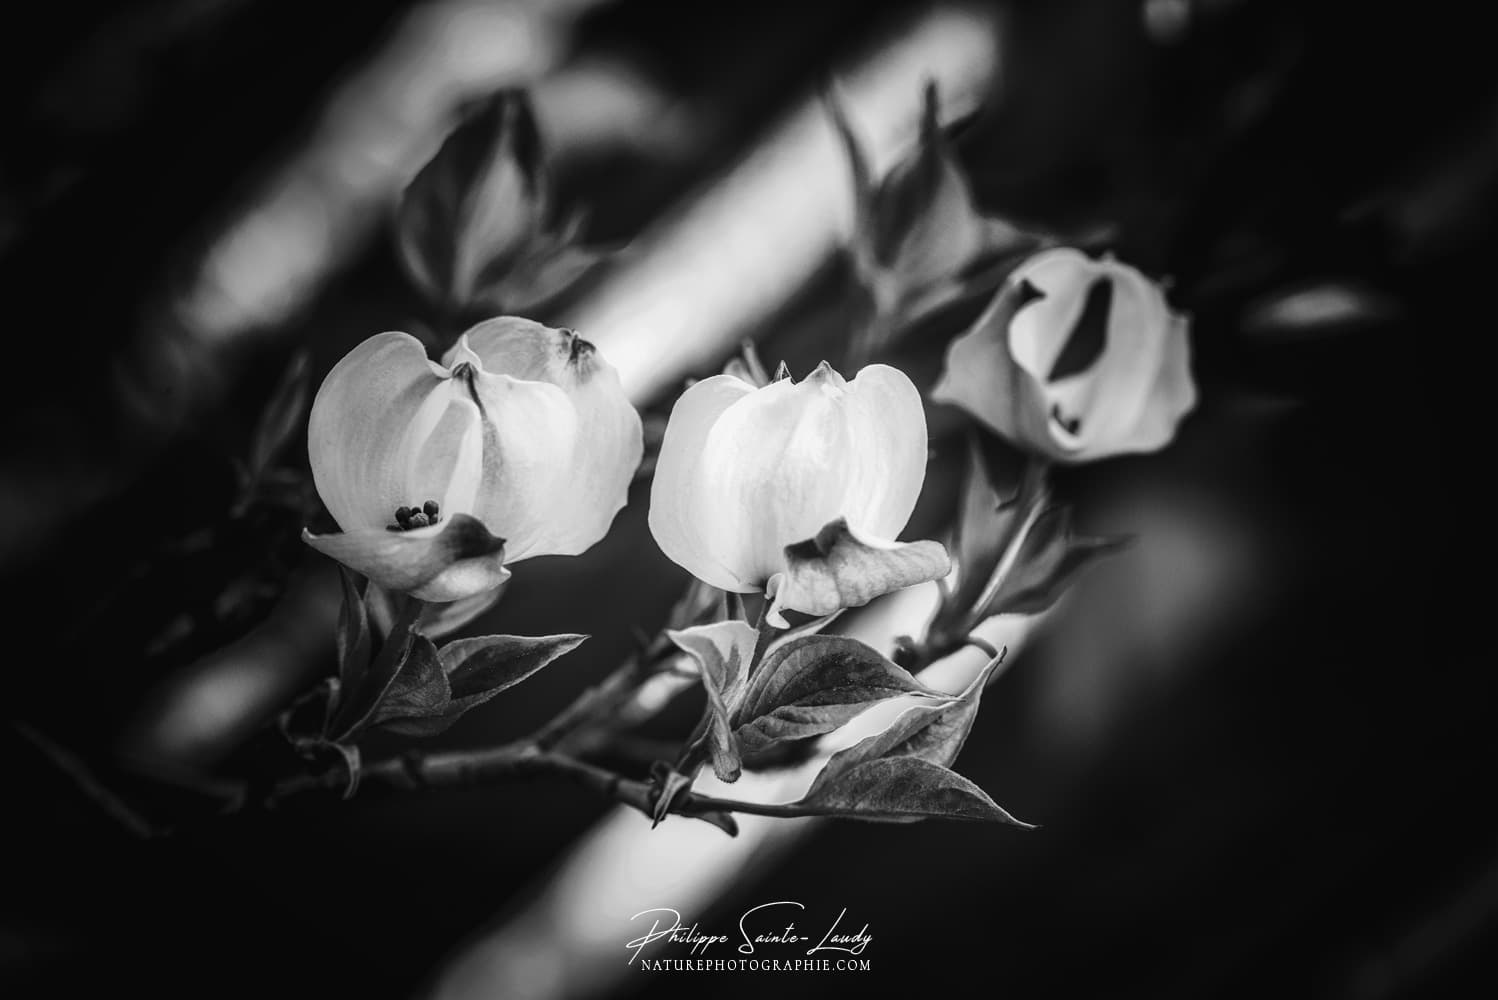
(905, 788)
(861, 175)
(478, 204)
(902, 772)
(1016, 554)
(670, 785)
(482, 667)
(723, 652)
(283, 417)
(536, 277)
(353, 638)
(358, 702)
(839, 568)
(436, 687)
(920, 242)
(420, 689)
(1048, 559)
(927, 232)
(813, 685)
(990, 515)
(934, 733)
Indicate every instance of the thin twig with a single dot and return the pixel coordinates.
(86, 781)
(416, 771)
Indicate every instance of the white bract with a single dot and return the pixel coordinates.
(797, 489)
(519, 443)
(1075, 359)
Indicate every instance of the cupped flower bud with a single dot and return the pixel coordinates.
(520, 443)
(796, 489)
(1075, 359)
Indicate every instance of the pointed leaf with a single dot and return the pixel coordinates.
(991, 513)
(536, 278)
(479, 202)
(934, 733)
(813, 685)
(861, 176)
(474, 671)
(1049, 557)
(420, 689)
(283, 417)
(670, 785)
(902, 788)
(723, 652)
(747, 366)
(488, 664)
(354, 639)
(358, 702)
(924, 195)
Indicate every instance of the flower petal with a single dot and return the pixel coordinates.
(356, 434)
(437, 620)
(888, 451)
(1104, 403)
(610, 444)
(981, 377)
(513, 345)
(839, 568)
(1172, 396)
(450, 561)
(1018, 371)
(530, 430)
(579, 465)
(678, 498)
(774, 469)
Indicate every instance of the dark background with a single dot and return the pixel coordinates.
(1260, 744)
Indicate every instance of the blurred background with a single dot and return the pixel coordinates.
(1260, 743)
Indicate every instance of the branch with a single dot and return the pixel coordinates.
(416, 771)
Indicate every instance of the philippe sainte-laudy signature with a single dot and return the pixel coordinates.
(768, 925)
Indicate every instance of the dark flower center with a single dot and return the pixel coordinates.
(411, 518)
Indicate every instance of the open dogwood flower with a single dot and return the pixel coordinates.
(1075, 359)
(520, 443)
(796, 489)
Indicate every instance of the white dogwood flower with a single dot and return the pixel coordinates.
(797, 489)
(1075, 359)
(519, 443)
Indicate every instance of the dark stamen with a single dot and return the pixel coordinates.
(411, 518)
